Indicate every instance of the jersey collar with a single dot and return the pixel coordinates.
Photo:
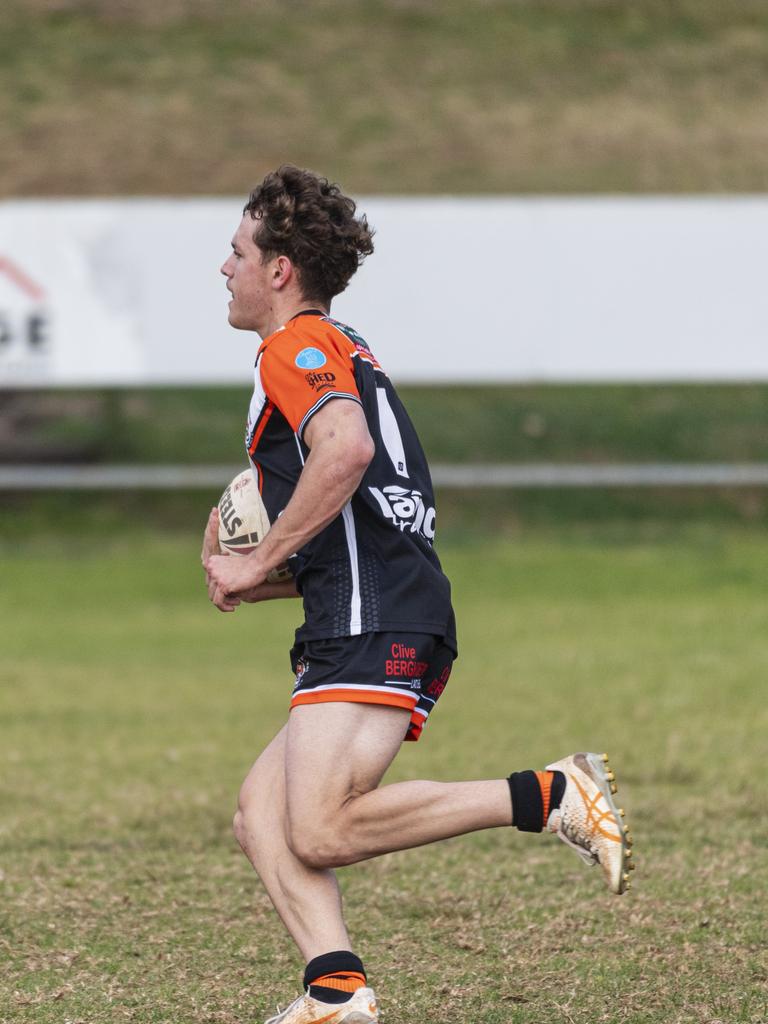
(308, 312)
(302, 312)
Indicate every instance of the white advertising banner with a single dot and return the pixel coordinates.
(127, 292)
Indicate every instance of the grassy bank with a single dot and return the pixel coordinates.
(196, 97)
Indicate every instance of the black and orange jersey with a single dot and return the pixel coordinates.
(374, 567)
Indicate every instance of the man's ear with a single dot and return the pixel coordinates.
(282, 272)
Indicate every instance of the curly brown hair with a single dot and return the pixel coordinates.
(309, 220)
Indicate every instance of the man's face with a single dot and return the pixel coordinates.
(249, 280)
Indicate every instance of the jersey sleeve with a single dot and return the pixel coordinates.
(300, 375)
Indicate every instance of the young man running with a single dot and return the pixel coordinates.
(348, 491)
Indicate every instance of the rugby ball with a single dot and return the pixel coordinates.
(243, 521)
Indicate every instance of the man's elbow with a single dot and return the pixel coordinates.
(365, 449)
(355, 459)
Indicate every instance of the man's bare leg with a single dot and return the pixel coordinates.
(307, 899)
(336, 755)
(331, 759)
(312, 802)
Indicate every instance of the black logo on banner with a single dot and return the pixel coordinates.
(24, 319)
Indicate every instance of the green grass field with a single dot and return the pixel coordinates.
(130, 711)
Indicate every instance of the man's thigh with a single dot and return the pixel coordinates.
(337, 751)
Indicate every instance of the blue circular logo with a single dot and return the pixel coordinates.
(311, 359)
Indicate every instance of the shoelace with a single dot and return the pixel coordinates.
(276, 1018)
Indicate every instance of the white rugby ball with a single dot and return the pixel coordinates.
(243, 521)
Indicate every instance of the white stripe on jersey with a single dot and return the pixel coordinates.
(255, 409)
(355, 623)
(390, 433)
(321, 402)
(298, 445)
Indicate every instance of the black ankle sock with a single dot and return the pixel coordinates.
(340, 968)
(534, 797)
(557, 792)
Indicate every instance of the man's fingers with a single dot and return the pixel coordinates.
(220, 597)
(225, 602)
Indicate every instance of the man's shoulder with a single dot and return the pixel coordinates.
(309, 342)
(357, 345)
(305, 331)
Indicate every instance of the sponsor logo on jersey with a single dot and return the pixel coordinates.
(311, 359)
(406, 510)
(320, 381)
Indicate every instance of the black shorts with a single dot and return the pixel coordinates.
(401, 670)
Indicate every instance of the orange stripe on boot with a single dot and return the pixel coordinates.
(344, 981)
(545, 783)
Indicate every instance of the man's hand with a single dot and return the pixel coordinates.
(229, 577)
(211, 538)
(210, 548)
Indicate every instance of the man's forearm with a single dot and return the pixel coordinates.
(340, 450)
(329, 479)
(269, 592)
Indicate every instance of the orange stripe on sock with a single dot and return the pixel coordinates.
(344, 981)
(545, 784)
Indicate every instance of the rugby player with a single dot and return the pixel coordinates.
(348, 492)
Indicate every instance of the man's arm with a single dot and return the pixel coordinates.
(341, 449)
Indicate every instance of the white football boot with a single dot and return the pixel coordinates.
(360, 1009)
(588, 819)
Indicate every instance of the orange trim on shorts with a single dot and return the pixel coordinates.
(415, 728)
(351, 696)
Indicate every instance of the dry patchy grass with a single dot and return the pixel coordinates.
(137, 97)
(130, 712)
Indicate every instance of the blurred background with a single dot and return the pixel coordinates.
(571, 204)
(615, 330)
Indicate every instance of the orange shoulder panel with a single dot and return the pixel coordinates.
(303, 366)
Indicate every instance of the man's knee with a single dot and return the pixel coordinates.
(317, 845)
(248, 820)
(238, 827)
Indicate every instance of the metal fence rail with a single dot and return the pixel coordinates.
(490, 475)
